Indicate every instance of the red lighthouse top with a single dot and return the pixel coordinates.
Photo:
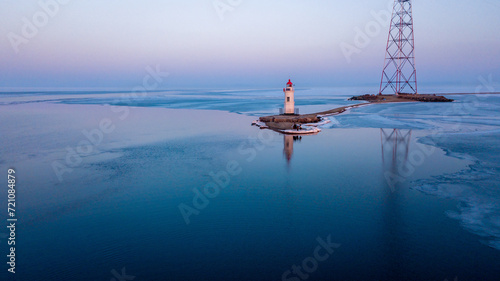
(289, 83)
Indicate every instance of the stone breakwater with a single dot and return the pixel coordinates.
(402, 98)
(285, 122)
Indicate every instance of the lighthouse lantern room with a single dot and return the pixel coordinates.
(289, 98)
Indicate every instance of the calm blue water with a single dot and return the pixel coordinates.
(402, 191)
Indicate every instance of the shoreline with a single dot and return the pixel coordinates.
(287, 122)
(282, 123)
(481, 93)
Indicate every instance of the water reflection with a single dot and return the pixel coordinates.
(288, 141)
(395, 144)
(395, 147)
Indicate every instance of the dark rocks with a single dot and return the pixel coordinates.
(402, 98)
(425, 98)
(309, 118)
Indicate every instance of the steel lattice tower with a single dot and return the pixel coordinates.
(399, 72)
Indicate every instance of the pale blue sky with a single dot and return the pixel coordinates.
(257, 44)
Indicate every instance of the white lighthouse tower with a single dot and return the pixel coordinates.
(289, 98)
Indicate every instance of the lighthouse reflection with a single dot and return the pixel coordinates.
(288, 141)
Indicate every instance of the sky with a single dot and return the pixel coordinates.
(238, 43)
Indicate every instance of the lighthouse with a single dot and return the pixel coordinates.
(289, 98)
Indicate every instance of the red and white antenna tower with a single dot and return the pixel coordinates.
(399, 75)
